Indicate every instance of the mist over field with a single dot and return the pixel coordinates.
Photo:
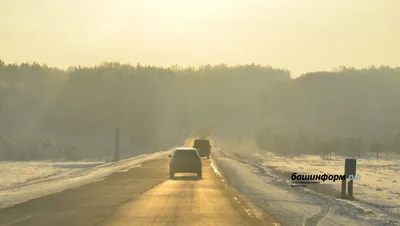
(49, 113)
(72, 111)
(96, 96)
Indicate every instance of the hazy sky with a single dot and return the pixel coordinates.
(299, 35)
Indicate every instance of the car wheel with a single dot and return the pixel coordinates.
(199, 174)
(171, 175)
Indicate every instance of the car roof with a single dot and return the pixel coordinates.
(189, 149)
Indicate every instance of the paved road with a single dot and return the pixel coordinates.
(142, 196)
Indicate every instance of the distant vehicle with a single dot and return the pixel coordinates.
(203, 146)
(185, 160)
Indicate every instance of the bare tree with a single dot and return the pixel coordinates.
(376, 148)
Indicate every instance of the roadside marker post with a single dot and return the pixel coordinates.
(116, 151)
(350, 166)
(343, 194)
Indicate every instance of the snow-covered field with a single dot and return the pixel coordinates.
(265, 179)
(22, 181)
(379, 184)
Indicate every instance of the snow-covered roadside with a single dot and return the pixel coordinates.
(22, 181)
(293, 206)
(378, 187)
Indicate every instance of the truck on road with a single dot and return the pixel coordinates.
(203, 146)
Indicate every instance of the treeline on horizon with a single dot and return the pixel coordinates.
(48, 113)
(347, 111)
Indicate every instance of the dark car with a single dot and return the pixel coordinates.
(185, 160)
(203, 146)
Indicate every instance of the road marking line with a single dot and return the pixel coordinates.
(22, 219)
(126, 170)
(216, 171)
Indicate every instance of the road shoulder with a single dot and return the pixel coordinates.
(90, 203)
(241, 203)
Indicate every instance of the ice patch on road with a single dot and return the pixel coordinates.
(22, 181)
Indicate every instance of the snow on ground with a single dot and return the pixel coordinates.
(265, 179)
(379, 184)
(22, 181)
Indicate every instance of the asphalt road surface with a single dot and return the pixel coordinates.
(142, 196)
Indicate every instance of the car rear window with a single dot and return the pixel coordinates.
(185, 152)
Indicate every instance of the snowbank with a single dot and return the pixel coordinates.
(22, 181)
(265, 179)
